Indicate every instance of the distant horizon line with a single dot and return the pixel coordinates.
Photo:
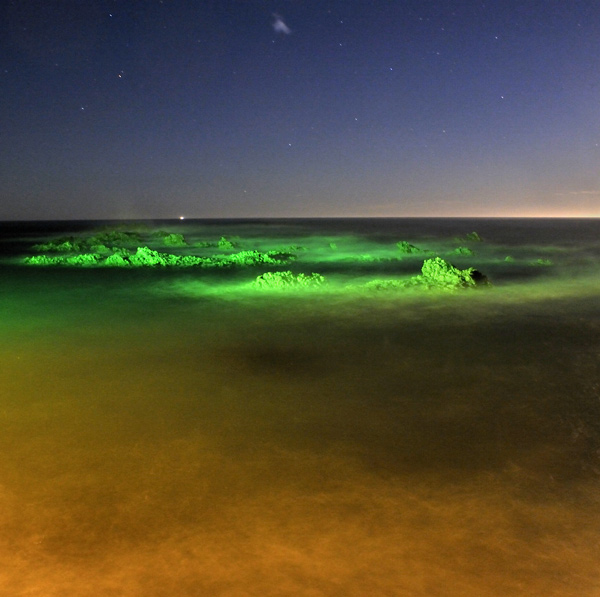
(249, 218)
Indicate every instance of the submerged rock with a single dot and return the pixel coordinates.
(147, 257)
(81, 260)
(462, 251)
(61, 245)
(368, 258)
(438, 273)
(171, 239)
(542, 262)
(407, 249)
(115, 238)
(224, 243)
(254, 258)
(469, 237)
(386, 285)
(287, 280)
(100, 242)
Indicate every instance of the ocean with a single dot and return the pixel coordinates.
(341, 426)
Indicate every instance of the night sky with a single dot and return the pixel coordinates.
(257, 108)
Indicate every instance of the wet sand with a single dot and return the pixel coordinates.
(319, 455)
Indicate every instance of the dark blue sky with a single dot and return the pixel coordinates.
(155, 109)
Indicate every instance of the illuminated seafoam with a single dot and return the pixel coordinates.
(180, 432)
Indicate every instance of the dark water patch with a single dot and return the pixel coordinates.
(288, 362)
(413, 396)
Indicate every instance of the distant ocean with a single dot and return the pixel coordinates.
(189, 430)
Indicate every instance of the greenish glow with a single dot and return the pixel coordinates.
(352, 266)
(257, 264)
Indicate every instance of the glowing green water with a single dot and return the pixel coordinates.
(181, 432)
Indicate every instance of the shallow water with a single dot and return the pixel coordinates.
(181, 433)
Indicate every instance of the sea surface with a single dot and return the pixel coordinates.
(171, 431)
